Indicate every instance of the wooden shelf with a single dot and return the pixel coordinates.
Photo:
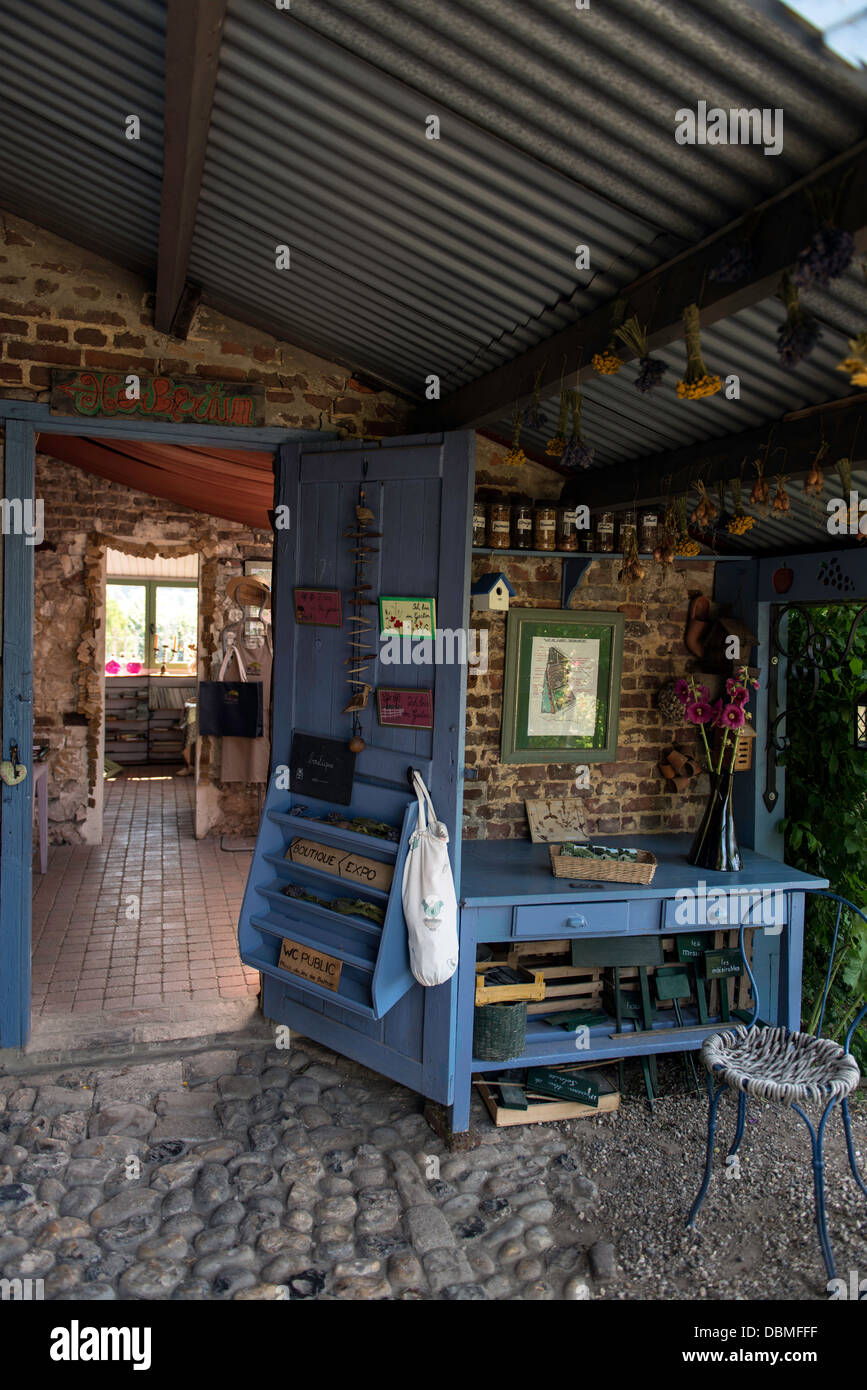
(594, 555)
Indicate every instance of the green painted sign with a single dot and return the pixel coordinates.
(690, 947)
(672, 984)
(719, 964)
(563, 1087)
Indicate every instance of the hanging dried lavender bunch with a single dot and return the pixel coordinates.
(534, 416)
(651, 370)
(800, 333)
(826, 257)
(577, 454)
(736, 264)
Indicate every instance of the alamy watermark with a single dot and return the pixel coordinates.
(847, 518)
(737, 126)
(22, 1290)
(448, 647)
(758, 907)
(23, 517)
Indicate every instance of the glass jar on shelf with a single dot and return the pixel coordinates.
(567, 528)
(522, 524)
(545, 527)
(480, 524)
(499, 525)
(627, 531)
(605, 533)
(648, 531)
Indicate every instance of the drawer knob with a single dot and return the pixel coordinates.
(577, 923)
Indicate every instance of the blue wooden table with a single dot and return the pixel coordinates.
(508, 894)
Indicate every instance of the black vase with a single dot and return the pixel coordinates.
(716, 845)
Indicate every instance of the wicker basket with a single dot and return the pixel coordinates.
(640, 870)
(499, 1031)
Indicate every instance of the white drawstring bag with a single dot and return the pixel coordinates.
(430, 905)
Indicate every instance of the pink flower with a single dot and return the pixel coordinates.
(703, 693)
(699, 712)
(682, 691)
(732, 717)
(732, 685)
(739, 696)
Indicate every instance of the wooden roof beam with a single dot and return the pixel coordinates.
(193, 32)
(778, 229)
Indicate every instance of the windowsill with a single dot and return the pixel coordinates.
(151, 671)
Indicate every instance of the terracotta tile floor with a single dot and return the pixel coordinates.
(89, 956)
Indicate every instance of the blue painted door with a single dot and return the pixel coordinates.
(16, 802)
(420, 491)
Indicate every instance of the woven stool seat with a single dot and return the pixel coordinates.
(774, 1064)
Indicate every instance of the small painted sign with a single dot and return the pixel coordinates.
(405, 709)
(318, 607)
(309, 964)
(369, 873)
(321, 767)
(690, 947)
(411, 617)
(189, 400)
(721, 963)
(557, 1083)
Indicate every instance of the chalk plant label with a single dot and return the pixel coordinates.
(181, 400)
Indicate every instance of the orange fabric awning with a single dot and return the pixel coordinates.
(232, 483)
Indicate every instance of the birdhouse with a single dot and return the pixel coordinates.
(491, 594)
(744, 753)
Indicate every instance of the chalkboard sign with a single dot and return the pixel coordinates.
(556, 1083)
(318, 607)
(405, 709)
(690, 947)
(718, 964)
(322, 768)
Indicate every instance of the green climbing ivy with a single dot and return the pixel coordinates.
(826, 822)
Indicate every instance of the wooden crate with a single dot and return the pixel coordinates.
(532, 986)
(546, 1111)
(567, 986)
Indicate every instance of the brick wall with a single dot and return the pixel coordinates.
(64, 307)
(627, 796)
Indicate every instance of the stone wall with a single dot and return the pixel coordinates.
(625, 796)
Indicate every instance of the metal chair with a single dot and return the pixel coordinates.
(779, 1065)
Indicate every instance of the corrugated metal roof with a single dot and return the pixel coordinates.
(69, 77)
(803, 527)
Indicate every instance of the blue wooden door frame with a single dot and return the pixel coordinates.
(21, 421)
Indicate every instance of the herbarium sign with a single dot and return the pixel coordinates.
(180, 400)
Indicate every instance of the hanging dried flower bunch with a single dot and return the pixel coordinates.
(782, 502)
(800, 332)
(685, 545)
(814, 482)
(607, 363)
(734, 265)
(828, 254)
(740, 522)
(516, 457)
(706, 511)
(534, 416)
(664, 552)
(651, 370)
(853, 516)
(856, 363)
(698, 381)
(557, 443)
(633, 570)
(577, 454)
(760, 496)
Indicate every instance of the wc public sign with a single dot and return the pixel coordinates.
(180, 400)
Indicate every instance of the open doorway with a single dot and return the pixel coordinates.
(135, 597)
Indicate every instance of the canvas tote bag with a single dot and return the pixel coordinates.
(231, 709)
(429, 902)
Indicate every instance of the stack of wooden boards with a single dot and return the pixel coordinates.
(542, 1094)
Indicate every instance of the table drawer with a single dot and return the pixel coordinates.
(769, 908)
(590, 919)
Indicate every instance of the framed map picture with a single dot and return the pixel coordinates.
(561, 697)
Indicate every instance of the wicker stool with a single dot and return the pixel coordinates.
(775, 1064)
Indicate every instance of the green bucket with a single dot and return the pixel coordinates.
(499, 1031)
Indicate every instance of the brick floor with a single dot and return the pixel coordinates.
(148, 917)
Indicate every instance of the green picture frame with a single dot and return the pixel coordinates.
(561, 695)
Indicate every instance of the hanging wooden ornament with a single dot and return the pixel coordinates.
(360, 655)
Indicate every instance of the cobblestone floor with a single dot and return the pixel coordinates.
(274, 1173)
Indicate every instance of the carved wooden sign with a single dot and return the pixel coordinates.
(180, 400)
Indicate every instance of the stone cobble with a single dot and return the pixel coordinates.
(274, 1174)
